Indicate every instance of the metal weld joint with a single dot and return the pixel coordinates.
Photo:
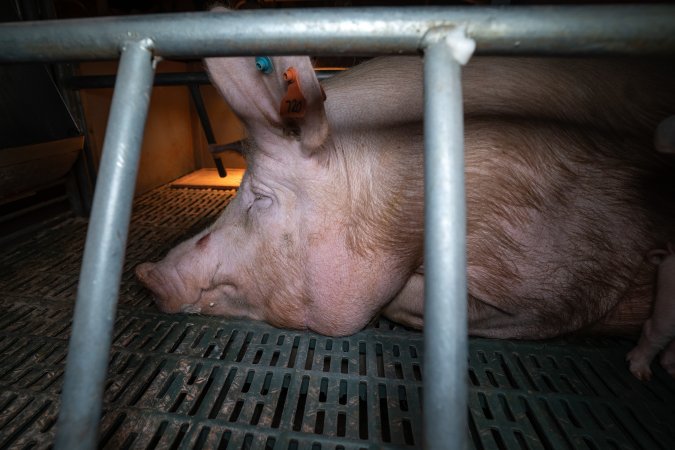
(461, 46)
(143, 44)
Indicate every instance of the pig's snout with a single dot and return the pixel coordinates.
(143, 271)
(147, 275)
(171, 292)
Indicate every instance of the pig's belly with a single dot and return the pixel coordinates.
(554, 271)
(539, 276)
(551, 309)
(556, 231)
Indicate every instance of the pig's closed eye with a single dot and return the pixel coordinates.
(260, 201)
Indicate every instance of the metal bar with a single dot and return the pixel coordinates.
(37, 206)
(9, 240)
(198, 101)
(88, 351)
(201, 112)
(445, 308)
(585, 29)
(161, 79)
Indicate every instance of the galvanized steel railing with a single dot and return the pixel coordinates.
(367, 31)
(140, 41)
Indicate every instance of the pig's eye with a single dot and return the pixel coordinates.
(259, 201)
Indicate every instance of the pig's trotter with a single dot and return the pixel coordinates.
(658, 331)
(640, 358)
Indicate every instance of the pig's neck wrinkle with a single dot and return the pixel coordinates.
(348, 291)
(353, 267)
(379, 178)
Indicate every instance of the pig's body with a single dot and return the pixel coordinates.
(565, 192)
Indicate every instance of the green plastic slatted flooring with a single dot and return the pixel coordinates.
(198, 382)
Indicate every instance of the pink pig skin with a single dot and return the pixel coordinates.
(659, 329)
(565, 194)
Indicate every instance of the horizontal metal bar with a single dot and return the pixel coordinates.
(14, 238)
(586, 29)
(161, 79)
(36, 206)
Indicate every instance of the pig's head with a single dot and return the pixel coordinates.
(285, 249)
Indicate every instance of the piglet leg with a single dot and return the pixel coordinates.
(658, 331)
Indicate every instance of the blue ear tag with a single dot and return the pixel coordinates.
(264, 64)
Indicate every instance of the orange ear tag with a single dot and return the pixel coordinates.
(293, 105)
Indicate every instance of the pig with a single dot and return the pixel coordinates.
(565, 194)
(659, 329)
(664, 140)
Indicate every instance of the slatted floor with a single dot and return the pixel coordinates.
(197, 382)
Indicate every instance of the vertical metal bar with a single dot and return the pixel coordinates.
(89, 347)
(445, 308)
(201, 112)
(206, 125)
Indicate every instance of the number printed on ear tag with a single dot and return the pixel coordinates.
(293, 105)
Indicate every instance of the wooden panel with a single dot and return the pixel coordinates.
(31, 167)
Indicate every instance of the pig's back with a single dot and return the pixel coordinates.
(381, 92)
(631, 95)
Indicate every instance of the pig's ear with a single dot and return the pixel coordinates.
(282, 101)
